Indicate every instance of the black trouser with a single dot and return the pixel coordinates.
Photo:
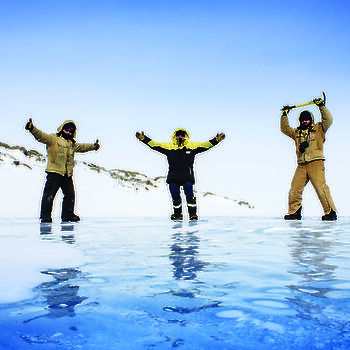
(174, 188)
(53, 183)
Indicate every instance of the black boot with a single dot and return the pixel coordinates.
(295, 216)
(177, 206)
(68, 202)
(331, 216)
(71, 218)
(46, 207)
(192, 208)
(42, 220)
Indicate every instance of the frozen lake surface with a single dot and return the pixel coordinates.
(147, 283)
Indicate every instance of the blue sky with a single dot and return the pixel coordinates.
(120, 66)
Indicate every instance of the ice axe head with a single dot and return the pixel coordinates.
(287, 108)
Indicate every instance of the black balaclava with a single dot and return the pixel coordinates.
(303, 118)
(180, 137)
(68, 131)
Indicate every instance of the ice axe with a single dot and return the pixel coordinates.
(288, 108)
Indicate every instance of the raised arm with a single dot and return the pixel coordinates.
(285, 127)
(86, 147)
(326, 116)
(161, 147)
(38, 134)
(199, 147)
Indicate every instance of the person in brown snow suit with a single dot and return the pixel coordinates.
(309, 139)
(61, 148)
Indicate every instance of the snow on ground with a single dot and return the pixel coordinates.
(97, 193)
(22, 259)
(23, 256)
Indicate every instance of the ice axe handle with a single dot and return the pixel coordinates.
(287, 108)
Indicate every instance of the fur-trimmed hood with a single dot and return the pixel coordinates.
(59, 129)
(187, 136)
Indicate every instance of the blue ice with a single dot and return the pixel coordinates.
(147, 283)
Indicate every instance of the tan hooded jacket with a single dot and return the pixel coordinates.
(315, 138)
(60, 152)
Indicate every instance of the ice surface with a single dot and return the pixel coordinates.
(23, 257)
(147, 283)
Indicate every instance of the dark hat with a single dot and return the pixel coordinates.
(305, 115)
(182, 133)
(69, 126)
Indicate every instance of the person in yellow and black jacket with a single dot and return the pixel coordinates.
(61, 148)
(181, 154)
(309, 138)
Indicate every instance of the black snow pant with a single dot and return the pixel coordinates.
(54, 182)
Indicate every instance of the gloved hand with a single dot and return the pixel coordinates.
(97, 145)
(319, 102)
(29, 126)
(220, 137)
(285, 110)
(140, 136)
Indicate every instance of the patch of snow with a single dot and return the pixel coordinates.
(99, 192)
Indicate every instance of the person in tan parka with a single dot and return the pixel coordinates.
(61, 148)
(309, 139)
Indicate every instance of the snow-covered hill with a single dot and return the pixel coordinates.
(100, 192)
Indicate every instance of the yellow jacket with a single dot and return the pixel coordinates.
(180, 158)
(315, 138)
(186, 144)
(60, 152)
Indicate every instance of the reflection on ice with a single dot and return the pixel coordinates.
(66, 235)
(310, 251)
(46, 232)
(184, 255)
(61, 296)
(45, 229)
(187, 310)
(23, 258)
(221, 283)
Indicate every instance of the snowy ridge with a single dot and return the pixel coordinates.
(100, 192)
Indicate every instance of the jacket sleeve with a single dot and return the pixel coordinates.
(285, 127)
(84, 147)
(200, 147)
(327, 118)
(161, 147)
(42, 137)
